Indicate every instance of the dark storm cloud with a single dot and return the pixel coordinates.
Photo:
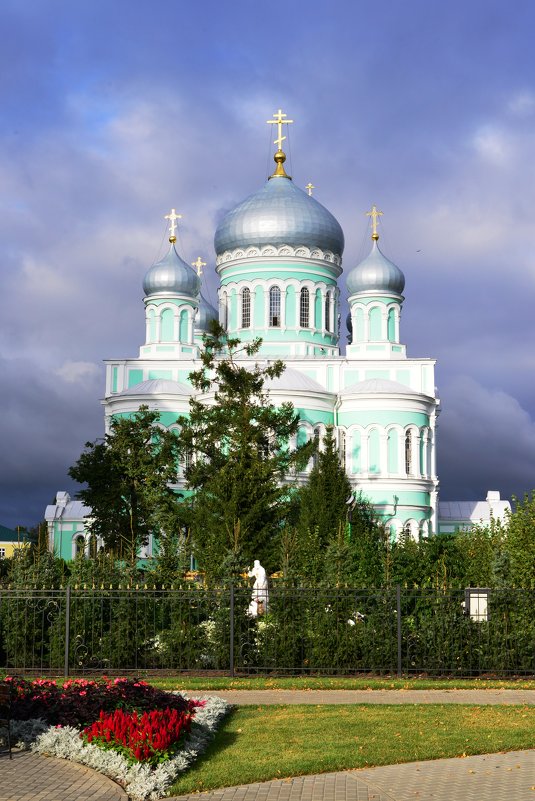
(112, 113)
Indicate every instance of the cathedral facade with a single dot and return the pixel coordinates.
(279, 264)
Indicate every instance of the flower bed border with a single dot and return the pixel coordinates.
(140, 781)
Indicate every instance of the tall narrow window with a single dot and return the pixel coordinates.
(342, 448)
(224, 311)
(408, 453)
(275, 307)
(304, 308)
(246, 308)
(328, 311)
(315, 455)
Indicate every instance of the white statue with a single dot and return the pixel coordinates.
(259, 599)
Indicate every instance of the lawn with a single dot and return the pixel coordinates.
(189, 683)
(266, 742)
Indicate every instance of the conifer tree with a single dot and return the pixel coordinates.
(239, 444)
(128, 477)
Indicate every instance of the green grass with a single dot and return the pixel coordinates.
(267, 742)
(335, 683)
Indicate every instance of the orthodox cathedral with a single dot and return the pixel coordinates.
(279, 261)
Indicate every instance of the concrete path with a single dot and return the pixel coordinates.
(254, 697)
(494, 777)
(29, 777)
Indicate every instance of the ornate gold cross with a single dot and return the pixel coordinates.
(374, 214)
(173, 217)
(309, 187)
(198, 264)
(279, 122)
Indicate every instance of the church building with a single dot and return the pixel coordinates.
(279, 264)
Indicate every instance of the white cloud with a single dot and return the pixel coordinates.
(492, 145)
(75, 372)
(522, 104)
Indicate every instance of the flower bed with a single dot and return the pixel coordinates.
(138, 735)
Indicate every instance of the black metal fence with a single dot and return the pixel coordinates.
(340, 631)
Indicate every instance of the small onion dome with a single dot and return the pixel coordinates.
(279, 214)
(376, 273)
(205, 314)
(172, 275)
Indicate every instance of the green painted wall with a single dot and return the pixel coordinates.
(356, 448)
(291, 315)
(393, 452)
(167, 325)
(114, 378)
(183, 327)
(134, 377)
(165, 374)
(391, 326)
(265, 270)
(318, 310)
(314, 416)
(368, 417)
(375, 324)
(374, 455)
(258, 313)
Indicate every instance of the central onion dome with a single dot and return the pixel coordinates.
(279, 214)
(375, 273)
(172, 275)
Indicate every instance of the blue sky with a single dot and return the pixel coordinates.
(112, 113)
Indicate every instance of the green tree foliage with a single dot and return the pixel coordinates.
(337, 538)
(520, 543)
(241, 453)
(128, 476)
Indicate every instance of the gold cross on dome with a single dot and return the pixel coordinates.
(309, 187)
(279, 122)
(374, 214)
(173, 217)
(198, 264)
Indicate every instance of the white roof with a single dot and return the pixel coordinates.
(294, 381)
(472, 511)
(157, 386)
(73, 510)
(377, 385)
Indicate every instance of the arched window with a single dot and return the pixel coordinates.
(304, 308)
(408, 453)
(246, 308)
(275, 307)
(79, 545)
(342, 448)
(224, 311)
(317, 435)
(328, 311)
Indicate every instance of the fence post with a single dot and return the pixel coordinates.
(231, 653)
(398, 616)
(67, 629)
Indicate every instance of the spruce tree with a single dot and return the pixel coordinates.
(239, 444)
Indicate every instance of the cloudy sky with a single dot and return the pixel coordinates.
(113, 112)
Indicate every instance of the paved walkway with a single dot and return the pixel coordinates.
(493, 777)
(254, 697)
(29, 777)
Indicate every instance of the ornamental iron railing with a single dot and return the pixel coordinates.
(75, 631)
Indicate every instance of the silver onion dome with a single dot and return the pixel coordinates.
(172, 274)
(377, 273)
(279, 214)
(205, 314)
